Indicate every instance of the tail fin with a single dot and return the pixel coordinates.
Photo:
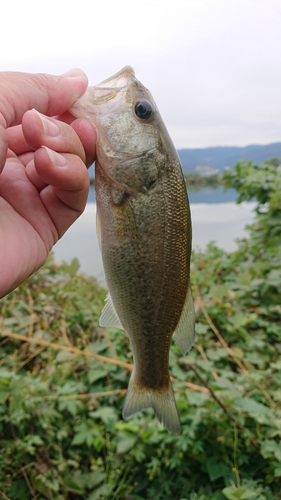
(163, 403)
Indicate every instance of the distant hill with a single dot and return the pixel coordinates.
(208, 160)
(216, 159)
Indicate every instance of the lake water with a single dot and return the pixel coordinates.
(215, 216)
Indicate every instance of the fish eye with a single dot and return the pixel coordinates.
(143, 110)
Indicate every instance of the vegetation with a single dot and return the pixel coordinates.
(198, 181)
(63, 380)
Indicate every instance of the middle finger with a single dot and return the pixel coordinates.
(41, 130)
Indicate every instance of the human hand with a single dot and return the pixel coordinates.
(43, 178)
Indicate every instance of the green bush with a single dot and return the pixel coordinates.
(198, 181)
(63, 380)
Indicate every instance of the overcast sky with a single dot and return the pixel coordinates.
(213, 66)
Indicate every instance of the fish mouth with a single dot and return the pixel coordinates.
(119, 80)
(103, 92)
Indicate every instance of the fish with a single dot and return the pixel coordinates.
(144, 231)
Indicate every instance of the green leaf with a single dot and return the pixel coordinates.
(216, 468)
(217, 353)
(84, 434)
(5, 375)
(95, 478)
(277, 470)
(71, 405)
(96, 374)
(70, 387)
(219, 291)
(71, 268)
(201, 328)
(106, 414)
(4, 393)
(126, 442)
(240, 493)
(76, 483)
(64, 356)
(258, 411)
(271, 448)
(238, 319)
(102, 492)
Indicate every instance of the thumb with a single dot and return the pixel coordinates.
(48, 94)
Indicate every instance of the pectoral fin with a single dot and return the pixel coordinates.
(109, 317)
(185, 330)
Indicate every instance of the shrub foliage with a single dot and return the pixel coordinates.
(63, 380)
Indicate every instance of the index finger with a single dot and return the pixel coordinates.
(51, 95)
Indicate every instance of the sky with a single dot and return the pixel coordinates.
(212, 66)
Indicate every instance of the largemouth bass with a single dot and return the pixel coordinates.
(144, 227)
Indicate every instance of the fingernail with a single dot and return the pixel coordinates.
(50, 127)
(75, 73)
(78, 80)
(56, 158)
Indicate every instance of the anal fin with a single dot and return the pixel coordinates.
(185, 330)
